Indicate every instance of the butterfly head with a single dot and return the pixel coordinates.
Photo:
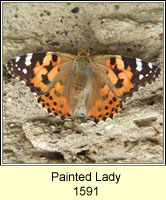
(82, 52)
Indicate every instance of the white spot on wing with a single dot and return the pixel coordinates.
(141, 77)
(29, 55)
(24, 71)
(17, 59)
(139, 64)
(150, 65)
(28, 59)
(27, 63)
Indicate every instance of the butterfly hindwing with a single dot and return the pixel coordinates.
(101, 103)
(56, 101)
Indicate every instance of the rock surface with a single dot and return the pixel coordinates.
(135, 135)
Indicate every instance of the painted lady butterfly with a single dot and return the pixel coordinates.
(59, 79)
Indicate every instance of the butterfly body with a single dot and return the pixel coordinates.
(80, 76)
(58, 79)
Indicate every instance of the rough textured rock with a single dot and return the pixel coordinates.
(135, 135)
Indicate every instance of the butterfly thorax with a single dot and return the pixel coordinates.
(80, 75)
(82, 52)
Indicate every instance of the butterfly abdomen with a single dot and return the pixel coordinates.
(79, 83)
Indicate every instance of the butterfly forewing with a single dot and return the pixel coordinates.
(125, 75)
(40, 71)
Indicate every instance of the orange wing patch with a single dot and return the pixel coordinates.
(54, 102)
(120, 75)
(106, 106)
(46, 72)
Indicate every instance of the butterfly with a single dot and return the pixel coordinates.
(59, 79)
